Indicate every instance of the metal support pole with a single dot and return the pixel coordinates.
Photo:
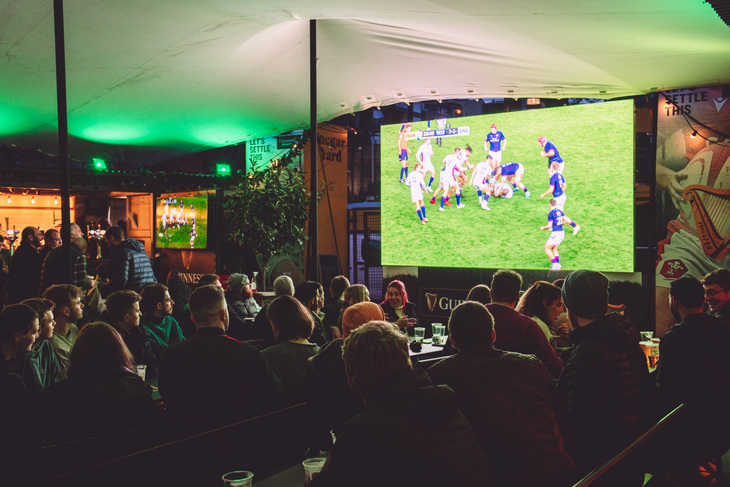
(313, 270)
(63, 138)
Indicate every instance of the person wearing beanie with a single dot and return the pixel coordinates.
(605, 381)
(329, 397)
(239, 296)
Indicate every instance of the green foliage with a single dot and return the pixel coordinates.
(267, 212)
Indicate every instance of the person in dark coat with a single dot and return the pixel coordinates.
(311, 295)
(333, 305)
(130, 266)
(179, 292)
(25, 267)
(293, 325)
(51, 240)
(397, 308)
(213, 372)
(410, 431)
(605, 382)
(509, 399)
(54, 264)
(694, 369)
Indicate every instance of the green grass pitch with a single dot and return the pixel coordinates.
(179, 238)
(595, 141)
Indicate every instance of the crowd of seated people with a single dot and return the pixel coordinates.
(501, 408)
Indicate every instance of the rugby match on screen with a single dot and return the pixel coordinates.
(537, 189)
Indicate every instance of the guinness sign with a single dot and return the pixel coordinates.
(440, 303)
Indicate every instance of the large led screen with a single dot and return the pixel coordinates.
(182, 221)
(596, 144)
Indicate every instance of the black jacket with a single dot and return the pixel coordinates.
(52, 271)
(516, 412)
(330, 399)
(409, 310)
(25, 274)
(214, 373)
(605, 384)
(412, 431)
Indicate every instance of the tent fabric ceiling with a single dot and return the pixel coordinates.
(149, 81)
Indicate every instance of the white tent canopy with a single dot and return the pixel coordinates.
(150, 80)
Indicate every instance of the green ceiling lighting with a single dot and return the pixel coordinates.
(98, 164)
(223, 169)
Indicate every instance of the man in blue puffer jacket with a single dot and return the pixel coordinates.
(130, 266)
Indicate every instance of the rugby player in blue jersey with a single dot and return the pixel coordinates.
(512, 172)
(556, 220)
(557, 186)
(551, 152)
(495, 143)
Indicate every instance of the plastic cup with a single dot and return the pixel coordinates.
(646, 336)
(654, 354)
(438, 333)
(433, 327)
(312, 466)
(141, 371)
(420, 332)
(238, 478)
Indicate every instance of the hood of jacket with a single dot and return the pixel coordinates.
(131, 244)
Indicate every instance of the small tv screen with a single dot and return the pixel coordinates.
(182, 221)
(596, 144)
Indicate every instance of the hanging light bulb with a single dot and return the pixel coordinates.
(32, 200)
(10, 200)
(55, 200)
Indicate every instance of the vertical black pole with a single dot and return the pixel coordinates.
(63, 137)
(313, 264)
(218, 241)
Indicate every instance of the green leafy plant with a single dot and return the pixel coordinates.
(267, 212)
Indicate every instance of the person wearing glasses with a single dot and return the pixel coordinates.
(717, 293)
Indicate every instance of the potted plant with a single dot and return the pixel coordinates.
(267, 211)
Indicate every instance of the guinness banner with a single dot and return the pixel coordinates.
(438, 303)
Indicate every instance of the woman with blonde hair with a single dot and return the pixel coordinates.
(356, 293)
